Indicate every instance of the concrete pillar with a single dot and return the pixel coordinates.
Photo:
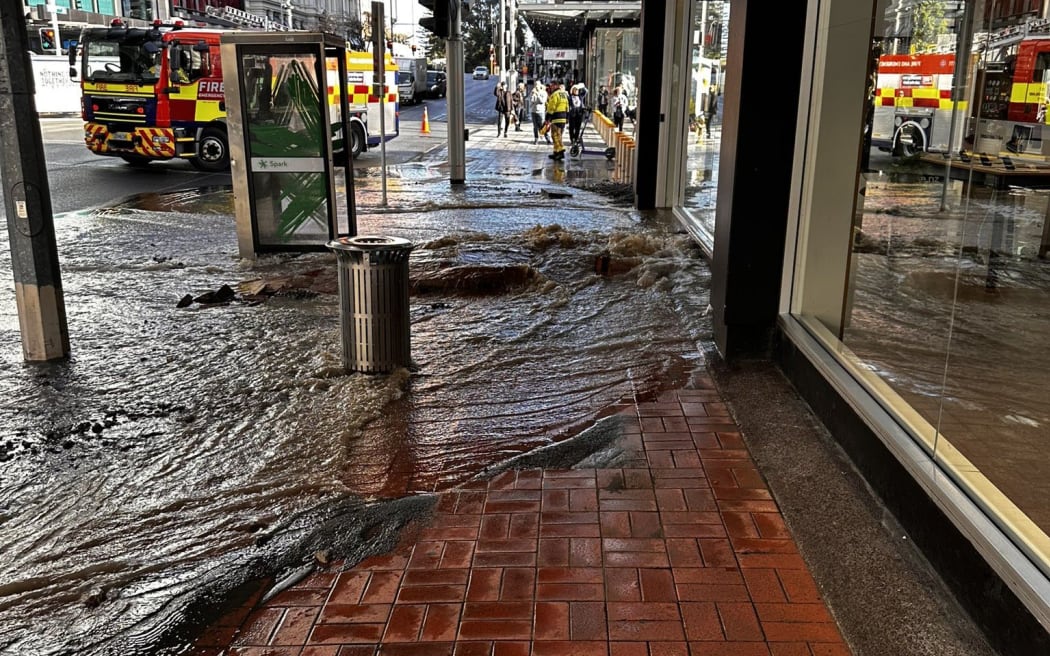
(27, 198)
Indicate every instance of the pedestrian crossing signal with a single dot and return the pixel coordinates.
(47, 38)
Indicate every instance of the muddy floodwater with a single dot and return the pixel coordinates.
(181, 451)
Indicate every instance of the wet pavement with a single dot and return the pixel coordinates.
(185, 462)
(675, 546)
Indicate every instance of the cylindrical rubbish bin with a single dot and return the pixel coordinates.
(373, 302)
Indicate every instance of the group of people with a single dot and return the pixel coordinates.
(552, 109)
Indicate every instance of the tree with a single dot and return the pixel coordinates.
(480, 27)
(343, 26)
(928, 24)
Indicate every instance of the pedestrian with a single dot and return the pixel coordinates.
(710, 108)
(577, 110)
(603, 100)
(619, 108)
(517, 103)
(502, 109)
(538, 107)
(557, 115)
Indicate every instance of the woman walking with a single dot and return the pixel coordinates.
(538, 108)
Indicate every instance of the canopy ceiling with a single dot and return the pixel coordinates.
(566, 24)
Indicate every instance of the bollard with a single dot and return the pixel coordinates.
(373, 302)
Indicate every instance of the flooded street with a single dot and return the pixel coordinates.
(180, 452)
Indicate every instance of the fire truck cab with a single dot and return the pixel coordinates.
(156, 93)
(153, 93)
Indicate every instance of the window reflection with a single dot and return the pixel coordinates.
(947, 292)
(704, 111)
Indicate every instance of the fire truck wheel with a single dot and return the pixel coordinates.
(213, 153)
(357, 143)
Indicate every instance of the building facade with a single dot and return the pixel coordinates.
(905, 294)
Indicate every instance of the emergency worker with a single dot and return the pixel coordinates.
(557, 116)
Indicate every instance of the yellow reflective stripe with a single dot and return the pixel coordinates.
(925, 93)
(106, 89)
(1036, 93)
(187, 92)
(207, 110)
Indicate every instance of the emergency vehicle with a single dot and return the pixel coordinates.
(156, 93)
(913, 103)
(1007, 115)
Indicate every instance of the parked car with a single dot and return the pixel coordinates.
(481, 73)
(437, 84)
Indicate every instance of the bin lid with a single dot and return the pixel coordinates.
(370, 243)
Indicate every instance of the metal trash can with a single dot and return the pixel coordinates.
(373, 302)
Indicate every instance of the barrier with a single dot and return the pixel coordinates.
(624, 144)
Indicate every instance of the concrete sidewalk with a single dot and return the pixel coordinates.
(684, 546)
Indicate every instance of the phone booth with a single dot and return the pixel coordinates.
(287, 115)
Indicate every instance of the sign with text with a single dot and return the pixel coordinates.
(553, 54)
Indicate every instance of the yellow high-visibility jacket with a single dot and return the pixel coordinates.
(558, 106)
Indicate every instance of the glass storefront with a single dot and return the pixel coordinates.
(614, 62)
(924, 269)
(703, 114)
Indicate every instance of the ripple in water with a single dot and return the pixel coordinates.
(184, 451)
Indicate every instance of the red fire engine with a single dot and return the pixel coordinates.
(156, 93)
(153, 93)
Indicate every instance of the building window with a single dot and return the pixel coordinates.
(925, 271)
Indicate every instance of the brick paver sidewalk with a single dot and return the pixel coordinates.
(682, 553)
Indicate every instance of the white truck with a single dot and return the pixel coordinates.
(411, 79)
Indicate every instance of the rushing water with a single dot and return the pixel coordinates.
(176, 447)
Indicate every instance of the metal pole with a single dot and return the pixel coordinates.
(513, 9)
(27, 198)
(456, 113)
(963, 48)
(379, 84)
(52, 9)
(501, 44)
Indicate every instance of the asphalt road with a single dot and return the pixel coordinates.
(80, 179)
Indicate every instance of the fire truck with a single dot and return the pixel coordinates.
(1009, 72)
(156, 93)
(913, 103)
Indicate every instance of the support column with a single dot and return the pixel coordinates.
(457, 132)
(649, 117)
(760, 106)
(27, 197)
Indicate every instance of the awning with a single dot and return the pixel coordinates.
(567, 23)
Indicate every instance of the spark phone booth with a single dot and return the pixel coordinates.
(287, 116)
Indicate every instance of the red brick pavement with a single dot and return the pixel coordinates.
(681, 552)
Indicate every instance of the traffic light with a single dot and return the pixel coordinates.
(439, 23)
(47, 38)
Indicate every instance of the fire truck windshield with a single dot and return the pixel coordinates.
(132, 57)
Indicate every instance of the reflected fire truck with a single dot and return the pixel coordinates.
(1006, 116)
(156, 93)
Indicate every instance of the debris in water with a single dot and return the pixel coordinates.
(223, 294)
(475, 279)
(551, 192)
